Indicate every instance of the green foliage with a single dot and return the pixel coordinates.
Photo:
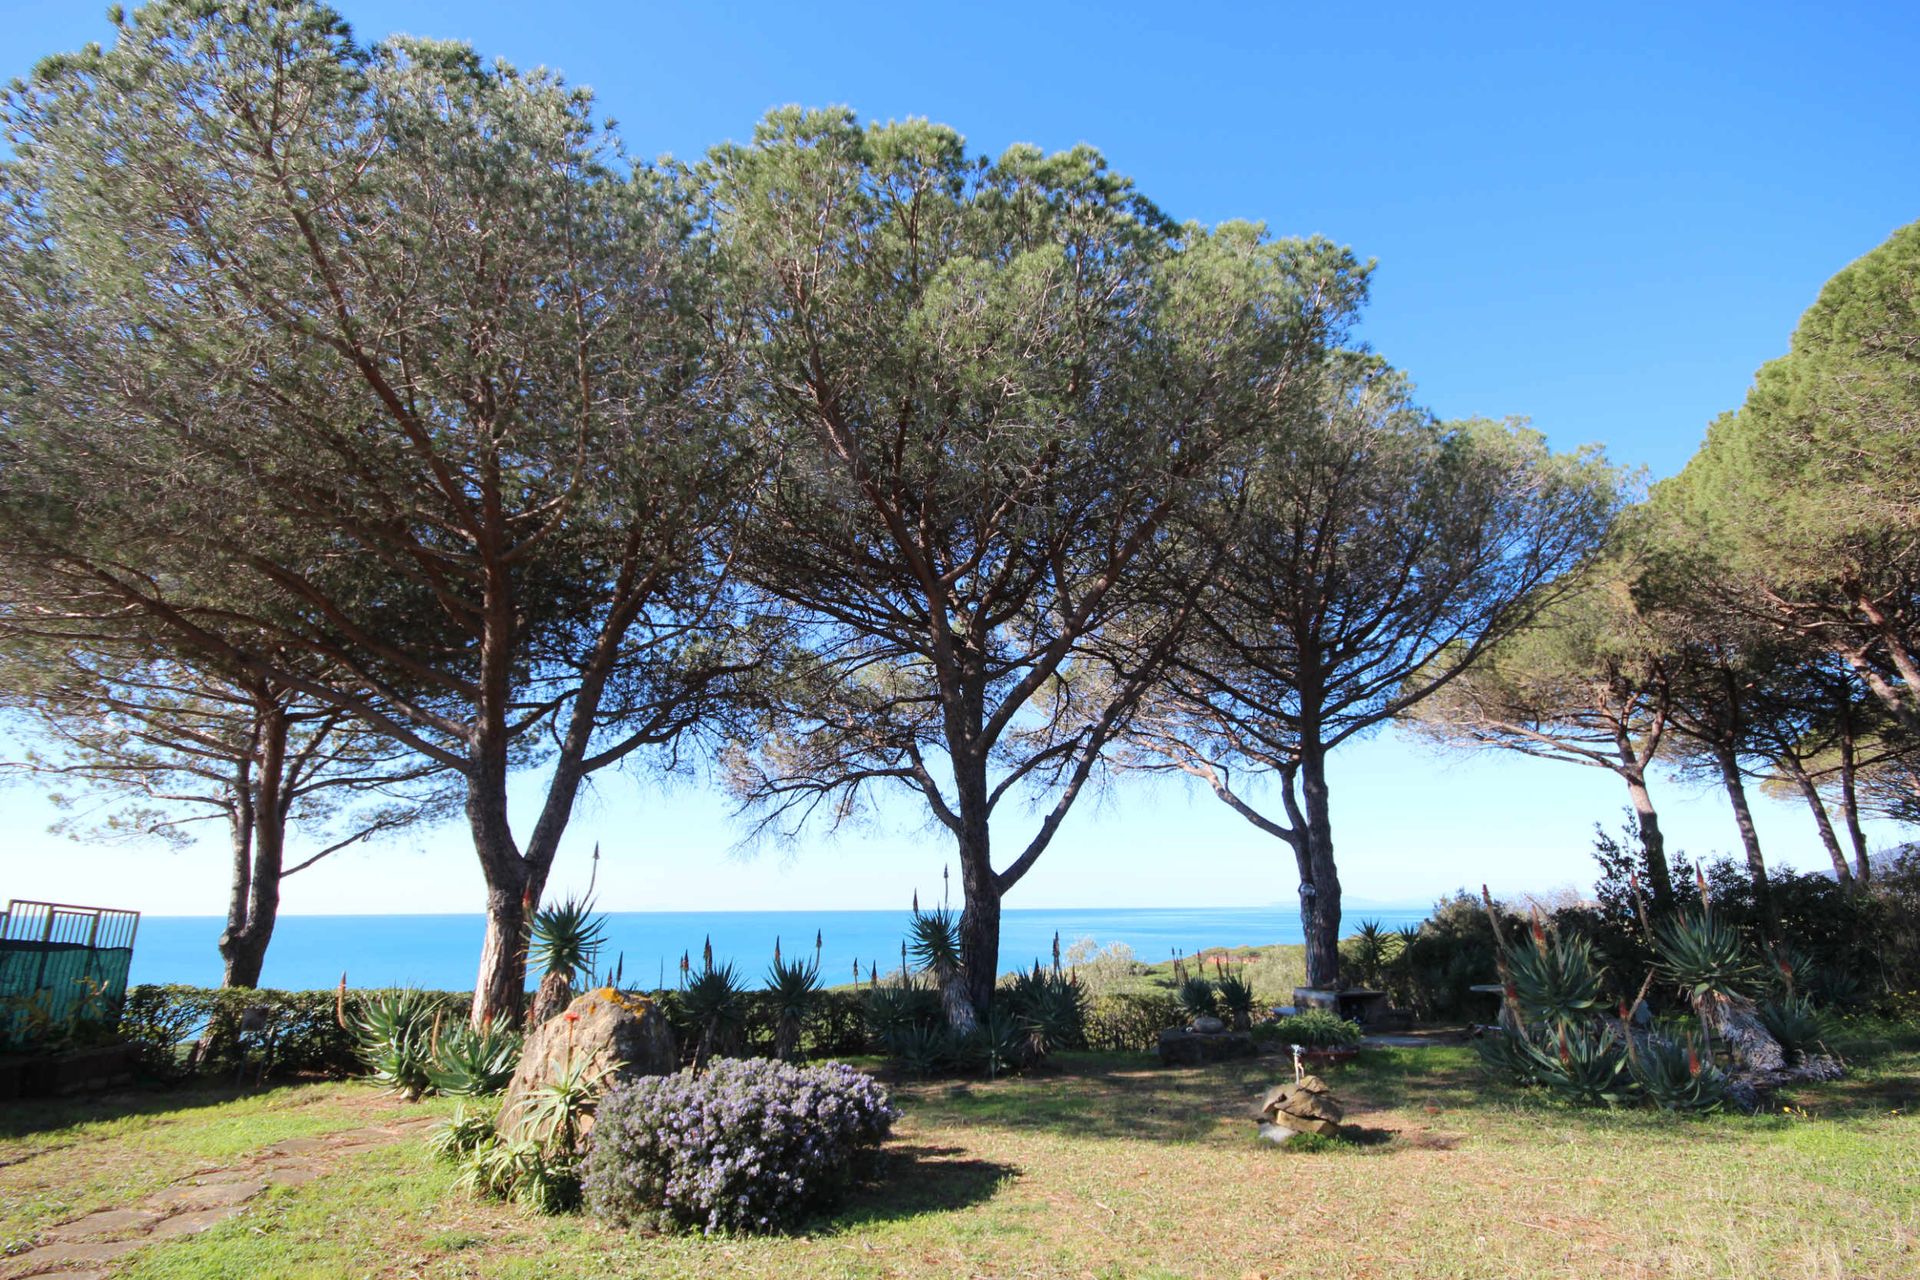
(459, 1135)
(1130, 1021)
(1674, 1076)
(1310, 1029)
(567, 938)
(1554, 978)
(923, 1049)
(998, 1043)
(1794, 1022)
(1583, 1064)
(891, 1011)
(933, 940)
(1052, 1009)
(393, 1033)
(715, 1001)
(1372, 949)
(1705, 958)
(466, 1063)
(1237, 1000)
(1198, 999)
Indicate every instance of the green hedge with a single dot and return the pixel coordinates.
(182, 1030)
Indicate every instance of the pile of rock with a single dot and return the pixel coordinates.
(1304, 1106)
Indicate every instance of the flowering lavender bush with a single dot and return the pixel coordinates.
(748, 1145)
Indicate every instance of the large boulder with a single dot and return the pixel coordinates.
(607, 1034)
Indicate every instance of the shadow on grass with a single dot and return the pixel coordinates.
(914, 1180)
(24, 1117)
(1132, 1097)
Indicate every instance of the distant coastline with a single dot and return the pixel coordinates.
(439, 951)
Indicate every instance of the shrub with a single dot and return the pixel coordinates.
(1130, 1021)
(1794, 1022)
(304, 1028)
(1102, 970)
(462, 1133)
(750, 1145)
(1310, 1029)
(1674, 1076)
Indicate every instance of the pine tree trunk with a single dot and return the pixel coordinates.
(1850, 803)
(1653, 841)
(1749, 836)
(254, 909)
(1822, 823)
(979, 931)
(1320, 908)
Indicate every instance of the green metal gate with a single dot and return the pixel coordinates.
(63, 970)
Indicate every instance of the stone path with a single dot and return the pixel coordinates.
(85, 1248)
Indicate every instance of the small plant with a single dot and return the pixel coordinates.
(567, 939)
(1198, 998)
(1554, 979)
(750, 1145)
(1585, 1065)
(792, 987)
(1794, 1022)
(1372, 949)
(1674, 1076)
(924, 1050)
(1237, 1000)
(997, 1044)
(1051, 1007)
(1705, 958)
(466, 1063)
(893, 1011)
(393, 1033)
(461, 1134)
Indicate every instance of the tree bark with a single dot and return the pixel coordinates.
(1821, 821)
(979, 919)
(1749, 835)
(1320, 921)
(1653, 841)
(1850, 800)
(262, 807)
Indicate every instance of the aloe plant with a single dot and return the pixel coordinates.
(1675, 1076)
(1198, 998)
(792, 986)
(716, 1003)
(1236, 1000)
(1554, 980)
(469, 1063)
(393, 1034)
(933, 942)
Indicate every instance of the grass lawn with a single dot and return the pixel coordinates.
(1105, 1166)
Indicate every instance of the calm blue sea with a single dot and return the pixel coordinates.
(440, 951)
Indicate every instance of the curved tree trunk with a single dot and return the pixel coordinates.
(260, 834)
(1749, 835)
(979, 929)
(1821, 821)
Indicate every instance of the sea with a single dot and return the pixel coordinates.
(440, 952)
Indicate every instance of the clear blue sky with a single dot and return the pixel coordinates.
(1601, 217)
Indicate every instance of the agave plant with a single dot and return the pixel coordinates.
(1675, 1076)
(997, 1043)
(894, 1011)
(1794, 1022)
(462, 1133)
(923, 1050)
(1236, 1000)
(1554, 979)
(1705, 958)
(1198, 998)
(793, 987)
(716, 1004)
(1051, 1007)
(933, 943)
(1584, 1064)
(393, 1032)
(563, 942)
(1373, 947)
(466, 1063)
(554, 1115)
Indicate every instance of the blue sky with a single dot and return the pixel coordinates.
(1603, 218)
